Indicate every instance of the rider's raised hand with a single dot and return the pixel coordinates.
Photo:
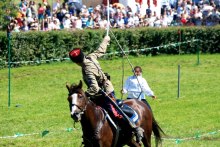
(107, 38)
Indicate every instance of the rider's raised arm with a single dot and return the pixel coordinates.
(101, 49)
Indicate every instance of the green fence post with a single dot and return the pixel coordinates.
(179, 34)
(9, 65)
(198, 52)
(178, 84)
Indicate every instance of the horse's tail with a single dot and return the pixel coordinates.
(157, 132)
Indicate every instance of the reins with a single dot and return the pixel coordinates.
(82, 110)
(123, 74)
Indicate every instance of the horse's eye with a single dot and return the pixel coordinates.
(80, 96)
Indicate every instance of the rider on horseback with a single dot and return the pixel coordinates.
(95, 78)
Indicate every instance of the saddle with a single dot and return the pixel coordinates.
(130, 112)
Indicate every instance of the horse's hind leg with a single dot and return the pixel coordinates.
(146, 140)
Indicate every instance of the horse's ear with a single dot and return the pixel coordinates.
(80, 84)
(68, 86)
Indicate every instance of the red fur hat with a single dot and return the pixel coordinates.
(76, 55)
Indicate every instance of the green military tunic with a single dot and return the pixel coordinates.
(93, 75)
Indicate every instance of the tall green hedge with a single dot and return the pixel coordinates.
(37, 46)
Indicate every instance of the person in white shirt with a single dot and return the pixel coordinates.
(137, 87)
(66, 21)
(56, 5)
(120, 23)
(130, 23)
(54, 25)
(151, 19)
(78, 23)
(136, 20)
(164, 20)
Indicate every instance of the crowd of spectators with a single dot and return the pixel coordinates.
(72, 15)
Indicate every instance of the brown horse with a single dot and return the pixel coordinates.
(98, 131)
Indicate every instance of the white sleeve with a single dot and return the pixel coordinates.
(145, 87)
(126, 86)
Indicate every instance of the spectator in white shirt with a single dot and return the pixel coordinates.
(78, 23)
(136, 20)
(54, 25)
(120, 21)
(56, 5)
(149, 20)
(164, 21)
(130, 23)
(66, 21)
(137, 87)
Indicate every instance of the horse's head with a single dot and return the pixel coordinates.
(77, 101)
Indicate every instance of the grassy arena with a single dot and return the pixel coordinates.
(40, 96)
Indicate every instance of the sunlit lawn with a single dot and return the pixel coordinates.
(38, 100)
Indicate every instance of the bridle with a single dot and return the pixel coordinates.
(82, 109)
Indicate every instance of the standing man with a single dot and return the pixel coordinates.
(137, 87)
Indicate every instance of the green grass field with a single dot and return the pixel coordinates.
(38, 101)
